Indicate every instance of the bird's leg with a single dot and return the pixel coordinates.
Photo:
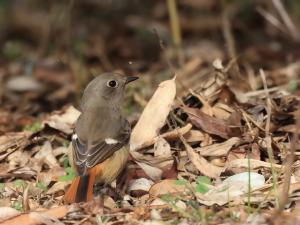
(106, 189)
(123, 180)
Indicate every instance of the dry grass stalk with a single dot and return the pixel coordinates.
(175, 27)
(229, 38)
(284, 194)
(287, 20)
(267, 132)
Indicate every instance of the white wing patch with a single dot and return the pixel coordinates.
(74, 137)
(110, 141)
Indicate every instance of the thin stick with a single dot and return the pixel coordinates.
(267, 133)
(175, 27)
(170, 64)
(271, 19)
(290, 158)
(287, 20)
(229, 38)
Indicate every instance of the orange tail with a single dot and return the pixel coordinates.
(81, 189)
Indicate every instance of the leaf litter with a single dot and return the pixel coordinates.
(199, 150)
(158, 144)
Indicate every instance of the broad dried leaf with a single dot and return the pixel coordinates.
(63, 121)
(194, 136)
(32, 218)
(254, 164)
(220, 149)
(7, 212)
(162, 148)
(232, 189)
(208, 123)
(201, 163)
(139, 186)
(46, 155)
(153, 172)
(154, 166)
(166, 187)
(154, 115)
(170, 135)
(58, 186)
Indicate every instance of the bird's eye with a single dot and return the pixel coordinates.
(112, 84)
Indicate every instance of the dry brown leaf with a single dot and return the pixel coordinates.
(154, 115)
(31, 218)
(194, 136)
(162, 148)
(58, 186)
(153, 172)
(139, 187)
(170, 135)
(220, 149)
(232, 188)
(7, 212)
(208, 123)
(254, 164)
(46, 155)
(201, 163)
(166, 187)
(154, 166)
(11, 142)
(222, 111)
(63, 121)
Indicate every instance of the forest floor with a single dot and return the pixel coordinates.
(215, 114)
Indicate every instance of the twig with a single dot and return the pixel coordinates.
(287, 20)
(229, 38)
(267, 133)
(170, 64)
(271, 19)
(175, 27)
(284, 195)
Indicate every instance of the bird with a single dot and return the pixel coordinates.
(100, 141)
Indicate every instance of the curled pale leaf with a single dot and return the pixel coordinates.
(201, 163)
(63, 121)
(154, 115)
(219, 149)
(254, 164)
(155, 165)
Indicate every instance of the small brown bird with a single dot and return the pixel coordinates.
(100, 141)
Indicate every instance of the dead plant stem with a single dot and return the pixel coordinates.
(284, 194)
(176, 31)
(268, 137)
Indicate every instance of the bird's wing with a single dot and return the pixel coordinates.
(101, 150)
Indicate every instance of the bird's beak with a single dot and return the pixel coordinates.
(130, 79)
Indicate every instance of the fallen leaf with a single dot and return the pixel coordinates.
(58, 186)
(154, 115)
(201, 163)
(208, 123)
(153, 172)
(256, 180)
(254, 164)
(32, 218)
(162, 148)
(222, 111)
(219, 149)
(166, 187)
(139, 187)
(169, 136)
(193, 136)
(46, 155)
(8, 212)
(63, 121)
(23, 83)
(154, 166)
(232, 189)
